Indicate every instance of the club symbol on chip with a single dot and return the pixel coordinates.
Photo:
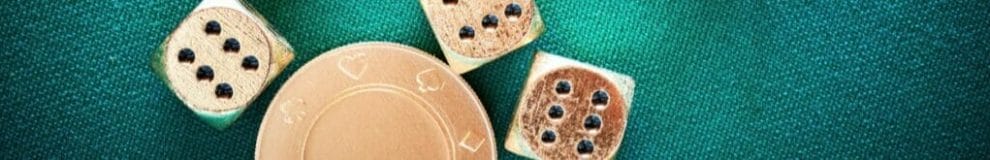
(474, 32)
(570, 110)
(219, 58)
(429, 81)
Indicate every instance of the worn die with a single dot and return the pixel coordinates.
(220, 58)
(570, 110)
(474, 32)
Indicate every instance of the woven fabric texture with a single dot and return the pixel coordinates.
(739, 79)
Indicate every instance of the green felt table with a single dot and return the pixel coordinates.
(737, 79)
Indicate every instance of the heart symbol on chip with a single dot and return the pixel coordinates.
(348, 65)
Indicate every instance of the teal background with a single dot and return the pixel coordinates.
(739, 79)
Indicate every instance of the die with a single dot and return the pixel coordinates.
(570, 110)
(375, 100)
(474, 32)
(219, 59)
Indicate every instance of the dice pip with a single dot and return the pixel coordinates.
(474, 32)
(219, 58)
(570, 110)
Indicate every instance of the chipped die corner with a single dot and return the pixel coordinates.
(516, 143)
(265, 55)
(219, 120)
(596, 139)
(506, 26)
(282, 53)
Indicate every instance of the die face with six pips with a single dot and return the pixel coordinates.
(219, 59)
(474, 32)
(570, 110)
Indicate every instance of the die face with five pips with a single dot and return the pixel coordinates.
(474, 32)
(219, 59)
(570, 110)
